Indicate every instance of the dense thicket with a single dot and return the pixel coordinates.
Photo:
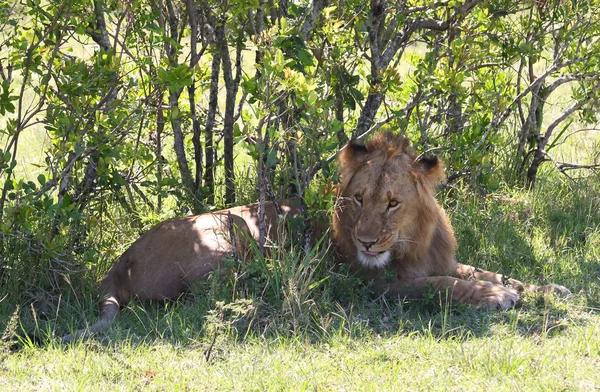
(147, 105)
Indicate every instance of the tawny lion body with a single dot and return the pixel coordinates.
(166, 260)
(386, 218)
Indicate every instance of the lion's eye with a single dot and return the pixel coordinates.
(358, 199)
(393, 204)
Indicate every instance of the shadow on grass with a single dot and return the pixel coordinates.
(554, 239)
(195, 320)
(539, 239)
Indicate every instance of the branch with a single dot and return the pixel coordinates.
(573, 166)
(572, 77)
(309, 22)
(439, 25)
(417, 99)
(412, 10)
(195, 57)
(399, 39)
(431, 24)
(564, 166)
(271, 195)
(499, 120)
(575, 106)
(98, 32)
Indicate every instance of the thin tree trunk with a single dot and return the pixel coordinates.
(368, 113)
(375, 98)
(194, 58)
(160, 127)
(83, 191)
(196, 138)
(97, 31)
(262, 227)
(311, 18)
(384, 44)
(209, 172)
(175, 112)
(178, 146)
(228, 120)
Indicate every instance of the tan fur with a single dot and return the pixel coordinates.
(414, 240)
(163, 262)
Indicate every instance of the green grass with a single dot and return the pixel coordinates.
(503, 361)
(335, 335)
(504, 357)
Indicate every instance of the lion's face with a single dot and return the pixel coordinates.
(385, 195)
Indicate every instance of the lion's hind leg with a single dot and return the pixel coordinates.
(113, 295)
(108, 310)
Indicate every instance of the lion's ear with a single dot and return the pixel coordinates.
(353, 154)
(430, 168)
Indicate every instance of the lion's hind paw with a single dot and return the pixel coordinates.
(494, 296)
(558, 290)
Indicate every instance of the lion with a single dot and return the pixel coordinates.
(386, 218)
(165, 261)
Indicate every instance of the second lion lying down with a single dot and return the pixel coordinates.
(386, 218)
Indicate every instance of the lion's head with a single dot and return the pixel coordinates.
(386, 200)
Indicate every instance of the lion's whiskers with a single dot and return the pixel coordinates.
(401, 243)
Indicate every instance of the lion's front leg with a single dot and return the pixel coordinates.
(468, 272)
(481, 293)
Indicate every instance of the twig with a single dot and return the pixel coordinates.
(564, 166)
(319, 165)
(455, 176)
(210, 348)
(581, 130)
(234, 253)
(573, 166)
(307, 230)
(498, 120)
(271, 194)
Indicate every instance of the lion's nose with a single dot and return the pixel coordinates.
(367, 243)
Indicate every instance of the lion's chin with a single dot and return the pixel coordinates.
(374, 261)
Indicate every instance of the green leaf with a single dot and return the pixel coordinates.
(560, 134)
(118, 178)
(305, 57)
(272, 158)
(312, 97)
(318, 283)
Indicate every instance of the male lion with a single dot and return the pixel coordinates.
(387, 216)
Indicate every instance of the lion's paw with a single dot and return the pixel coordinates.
(493, 296)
